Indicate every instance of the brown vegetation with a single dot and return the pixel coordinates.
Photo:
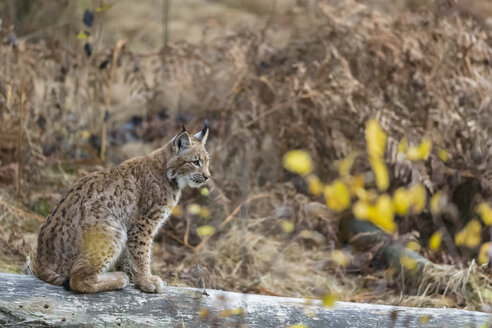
(308, 78)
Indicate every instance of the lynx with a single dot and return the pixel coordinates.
(111, 217)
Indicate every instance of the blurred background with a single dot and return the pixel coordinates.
(350, 140)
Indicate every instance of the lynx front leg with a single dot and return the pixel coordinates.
(139, 248)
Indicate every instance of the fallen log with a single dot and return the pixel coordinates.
(26, 301)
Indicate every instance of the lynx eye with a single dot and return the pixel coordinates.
(196, 163)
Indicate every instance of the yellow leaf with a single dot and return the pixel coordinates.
(425, 148)
(329, 299)
(205, 231)
(443, 155)
(203, 313)
(474, 234)
(82, 35)
(361, 210)
(485, 253)
(337, 196)
(485, 213)
(287, 226)
(306, 234)
(375, 139)
(380, 173)
(103, 8)
(424, 319)
(435, 240)
(298, 161)
(384, 207)
(314, 185)
(231, 312)
(413, 246)
(459, 238)
(85, 134)
(204, 212)
(177, 211)
(299, 325)
(315, 236)
(368, 196)
(386, 225)
(408, 263)
(421, 152)
(403, 146)
(346, 164)
(413, 153)
(356, 184)
(193, 209)
(340, 258)
(419, 197)
(204, 191)
(383, 216)
(470, 236)
(436, 203)
(401, 201)
(487, 294)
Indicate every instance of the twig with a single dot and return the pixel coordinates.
(269, 22)
(230, 217)
(173, 236)
(187, 231)
(9, 95)
(179, 313)
(244, 215)
(269, 111)
(166, 9)
(117, 49)
(43, 30)
(20, 136)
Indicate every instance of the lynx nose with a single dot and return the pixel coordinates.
(206, 174)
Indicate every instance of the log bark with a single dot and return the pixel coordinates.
(26, 301)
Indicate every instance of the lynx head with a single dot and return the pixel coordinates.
(188, 163)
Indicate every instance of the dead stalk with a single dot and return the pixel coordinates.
(9, 95)
(20, 137)
(269, 111)
(166, 8)
(187, 231)
(119, 45)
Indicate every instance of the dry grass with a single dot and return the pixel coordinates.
(310, 80)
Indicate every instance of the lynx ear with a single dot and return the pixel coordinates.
(181, 141)
(203, 134)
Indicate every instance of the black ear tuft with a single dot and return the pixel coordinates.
(184, 129)
(203, 134)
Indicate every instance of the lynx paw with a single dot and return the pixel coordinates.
(122, 278)
(152, 284)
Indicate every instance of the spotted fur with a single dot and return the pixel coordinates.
(114, 214)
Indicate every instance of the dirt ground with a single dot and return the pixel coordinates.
(269, 77)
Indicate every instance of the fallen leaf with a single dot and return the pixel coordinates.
(298, 161)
